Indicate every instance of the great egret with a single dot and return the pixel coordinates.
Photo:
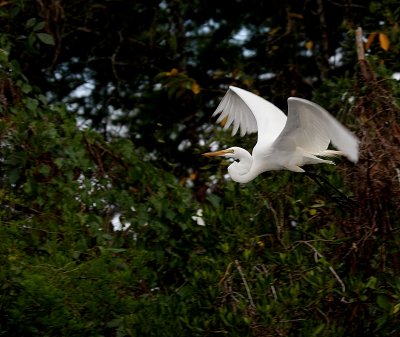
(284, 143)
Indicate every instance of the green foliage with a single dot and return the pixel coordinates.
(61, 256)
(66, 271)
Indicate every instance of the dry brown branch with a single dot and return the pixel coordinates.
(360, 45)
(375, 179)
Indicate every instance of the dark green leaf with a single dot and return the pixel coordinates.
(46, 38)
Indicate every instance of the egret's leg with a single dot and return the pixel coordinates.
(325, 185)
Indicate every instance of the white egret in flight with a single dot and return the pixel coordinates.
(284, 143)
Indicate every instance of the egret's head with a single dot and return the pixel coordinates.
(241, 165)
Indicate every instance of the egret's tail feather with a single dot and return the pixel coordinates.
(309, 159)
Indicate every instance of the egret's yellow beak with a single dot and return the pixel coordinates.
(217, 153)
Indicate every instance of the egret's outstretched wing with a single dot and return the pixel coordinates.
(251, 113)
(312, 128)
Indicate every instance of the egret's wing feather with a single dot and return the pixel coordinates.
(312, 128)
(250, 113)
(234, 111)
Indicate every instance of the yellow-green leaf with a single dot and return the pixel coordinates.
(312, 211)
(396, 309)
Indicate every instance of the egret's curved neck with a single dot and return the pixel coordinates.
(242, 171)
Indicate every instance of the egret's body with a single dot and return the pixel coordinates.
(284, 143)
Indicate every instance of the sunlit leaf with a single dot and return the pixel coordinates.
(195, 88)
(309, 44)
(173, 72)
(370, 39)
(384, 41)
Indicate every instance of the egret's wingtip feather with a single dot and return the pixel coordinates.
(354, 154)
(348, 143)
(249, 113)
(217, 112)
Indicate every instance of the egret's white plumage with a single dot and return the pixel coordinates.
(283, 142)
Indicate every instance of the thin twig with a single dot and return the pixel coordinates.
(227, 272)
(279, 226)
(114, 55)
(274, 292)
(239, 268)
(323, 314)
(317, 253)
(337, 278)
